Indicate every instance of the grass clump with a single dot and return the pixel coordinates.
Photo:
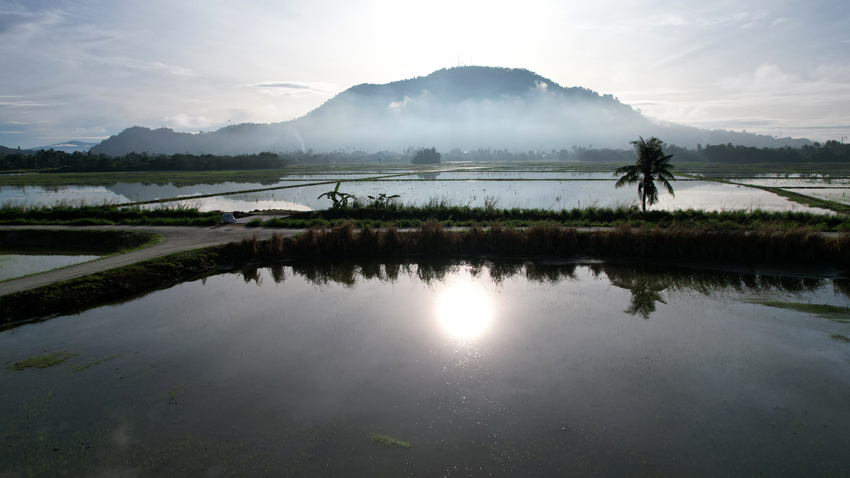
(42, 361)
(386, 440)
(840, 337)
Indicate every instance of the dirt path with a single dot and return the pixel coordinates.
(174, 239)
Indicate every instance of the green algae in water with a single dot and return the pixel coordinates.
(42, 361)
(387, 440)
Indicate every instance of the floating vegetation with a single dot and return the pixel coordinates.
(832, 312)
(841, 337)
(387, 440)
(42, 361)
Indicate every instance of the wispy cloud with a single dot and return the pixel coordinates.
(129, 63)
(294, 88)
(14, 18)
(183, 121)
(24, 104)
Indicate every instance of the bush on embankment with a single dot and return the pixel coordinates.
(432, 239)
(77, 241)
(394, 214)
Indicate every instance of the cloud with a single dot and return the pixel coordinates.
(23, 104)
(14, 18)
(182, 121)
(399, 105)
(142, 65)
(298, 89)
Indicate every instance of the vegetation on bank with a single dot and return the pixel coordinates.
(108, 286)
(432, 239)
(77, 241)
(105, 214)
(78, 161)
(175, 178)
(398, 215)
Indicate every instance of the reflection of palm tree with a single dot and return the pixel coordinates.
(644, 296)
(645, 287)
(651, 165)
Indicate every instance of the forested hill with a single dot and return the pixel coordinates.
(466, 107)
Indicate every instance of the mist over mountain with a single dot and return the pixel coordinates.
(465, 107)
(69, 146)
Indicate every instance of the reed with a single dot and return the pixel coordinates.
(433, 240)
(399, 215)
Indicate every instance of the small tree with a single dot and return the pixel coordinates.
(651, 165)
(426, 156)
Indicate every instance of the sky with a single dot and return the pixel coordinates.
(87, 69)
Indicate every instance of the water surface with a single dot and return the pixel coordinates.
(502, 368)
(19, 265)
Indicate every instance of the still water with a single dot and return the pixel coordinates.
(555, 195)
(556, 190)
(19, 265)
(502, 368)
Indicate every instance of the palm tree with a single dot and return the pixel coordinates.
(651, 165)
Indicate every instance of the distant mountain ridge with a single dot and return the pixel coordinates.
(466, 107)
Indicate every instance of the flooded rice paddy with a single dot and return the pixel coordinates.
(19, 265)
(467, 185)
(463, 368)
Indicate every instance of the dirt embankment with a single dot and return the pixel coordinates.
(174, 239)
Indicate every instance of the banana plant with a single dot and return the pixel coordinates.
(382, 200)
(340, 200)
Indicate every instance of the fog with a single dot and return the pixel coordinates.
(466, 108)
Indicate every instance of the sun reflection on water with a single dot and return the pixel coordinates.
(464, 310)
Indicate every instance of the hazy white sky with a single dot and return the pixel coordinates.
(87, 69)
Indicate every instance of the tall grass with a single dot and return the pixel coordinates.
(676, 243)
(106, 213)
(396, 214)
(432, 240)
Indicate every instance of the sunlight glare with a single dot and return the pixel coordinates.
(464, 311)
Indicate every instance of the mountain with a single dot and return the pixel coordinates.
(466, 107)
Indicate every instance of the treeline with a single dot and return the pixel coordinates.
(87, 162)
(828, 152)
